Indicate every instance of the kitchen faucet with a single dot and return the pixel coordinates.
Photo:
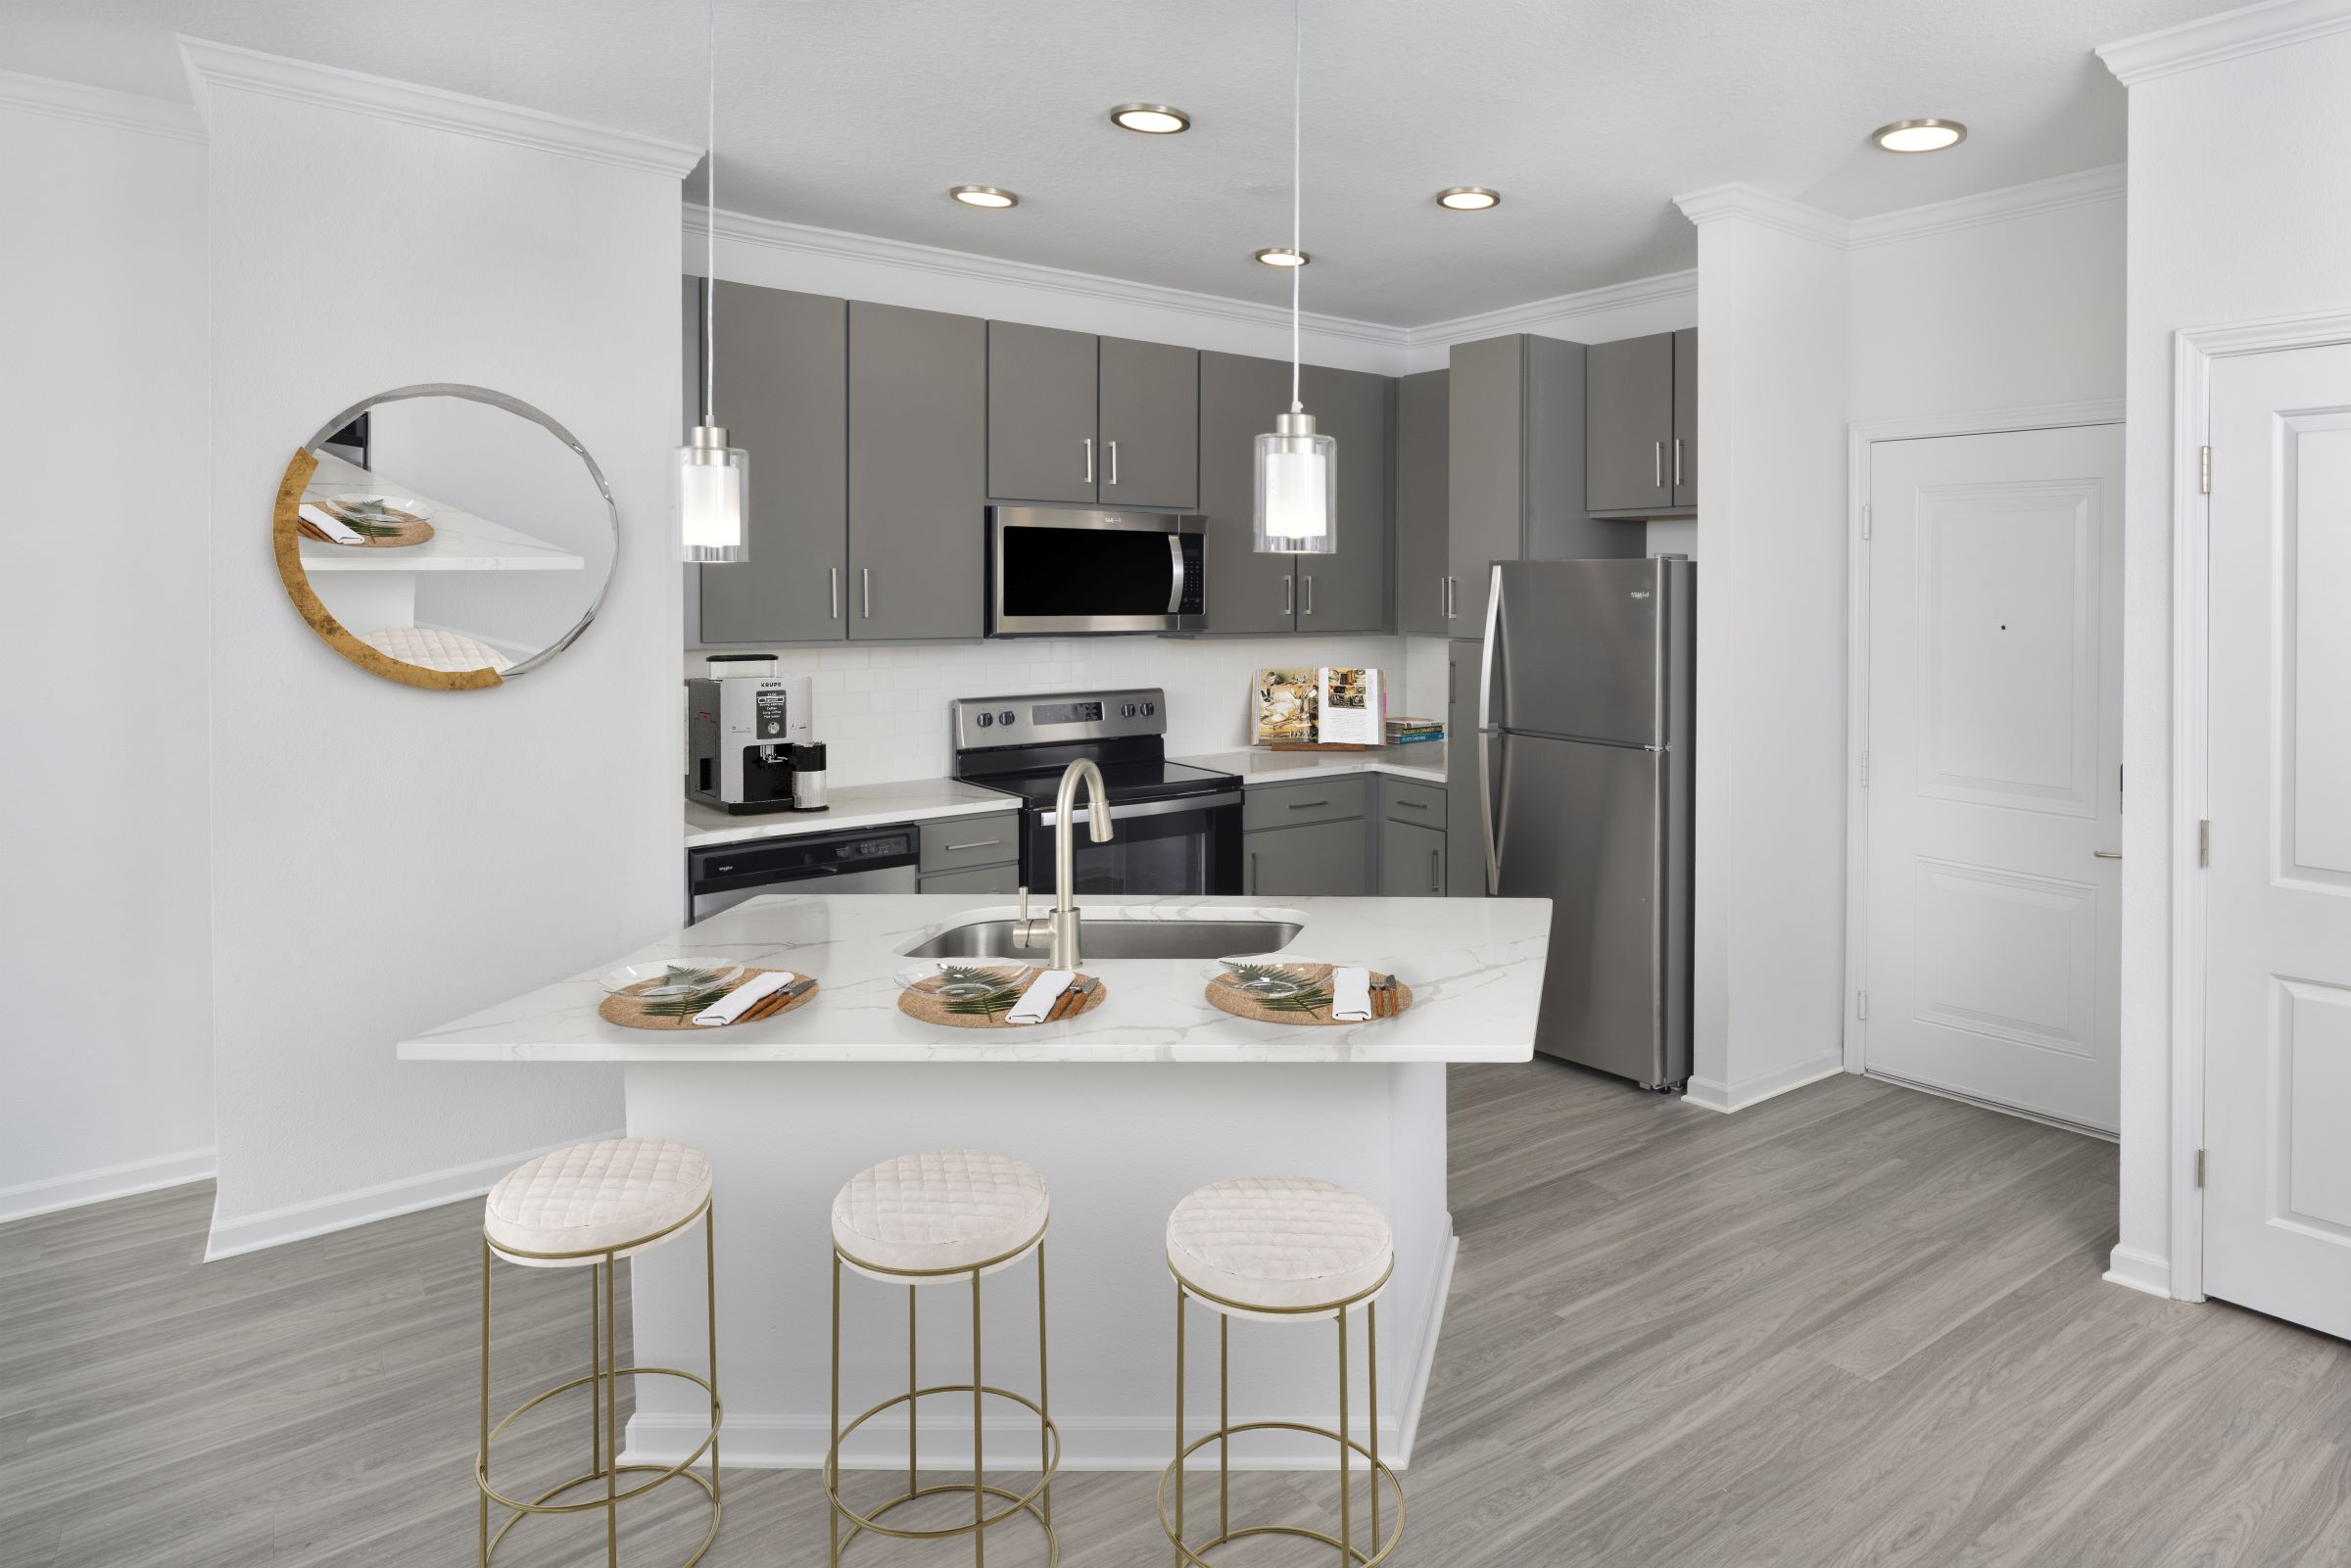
(1059, 930)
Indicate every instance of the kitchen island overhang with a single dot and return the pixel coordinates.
(788, 1108)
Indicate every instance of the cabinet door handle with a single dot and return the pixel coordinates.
(1252, 878)
(1289, 595)
(1309, 607)
(832, 592)
(977, 843)
(2107, 854)
(1677, 461)
(1436, 871)
(1113, 448)
(865, 584)
(1089, 459)
(1656, 465)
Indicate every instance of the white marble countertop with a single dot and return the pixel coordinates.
(855, 806)
(1476, 966)
(1423, 760)
(460, 541)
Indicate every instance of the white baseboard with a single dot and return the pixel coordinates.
(1088, 1443)
(1712, 1094)
(2140, 1271)
(274, 1227)
(53, 1193)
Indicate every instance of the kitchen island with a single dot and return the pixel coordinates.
(1123, 1109)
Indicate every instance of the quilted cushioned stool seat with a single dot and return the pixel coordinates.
(594, 1196)
(946, 1210)
(1274, 1243)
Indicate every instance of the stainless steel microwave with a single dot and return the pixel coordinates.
(1054, 571)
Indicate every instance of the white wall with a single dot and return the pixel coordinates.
(2238, 170)
(1771, 809)
(385, 858)
(103, 799)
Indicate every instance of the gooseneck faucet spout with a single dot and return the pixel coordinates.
(1059, 930)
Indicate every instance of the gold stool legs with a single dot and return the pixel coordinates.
(602, 1382)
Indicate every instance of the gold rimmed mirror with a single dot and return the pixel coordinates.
(444, 536)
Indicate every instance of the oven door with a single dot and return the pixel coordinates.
(1160, 849)
(1057, 571)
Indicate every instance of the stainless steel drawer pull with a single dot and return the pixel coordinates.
(1089, 459)
(865, 581)
(1656, 466)
(1677, 460)
(982, 843)
(1309, 608)
(1416, 805)
(1306, 805)
(832, 592)
(1113, 448)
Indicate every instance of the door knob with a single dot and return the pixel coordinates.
(2107, 854)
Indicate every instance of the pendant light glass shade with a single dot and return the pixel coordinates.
(714, 496)
(1297, 489)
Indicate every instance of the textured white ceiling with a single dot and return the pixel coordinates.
(1588, 114)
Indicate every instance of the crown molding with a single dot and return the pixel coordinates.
(2083, 189)
(1758, 207)
(2231, 35)
(211, 67)
(840, 244)
(99, 106)
(1540, 312)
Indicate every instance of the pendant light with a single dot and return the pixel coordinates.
(1297, 470)
(714, 481)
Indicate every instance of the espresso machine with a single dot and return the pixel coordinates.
(751, 743)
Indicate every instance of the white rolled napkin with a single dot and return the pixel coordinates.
(1037, 1001)
(1351, 995)
(330, 525)
(740, 1000)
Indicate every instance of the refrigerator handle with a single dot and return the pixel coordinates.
(1485, 738)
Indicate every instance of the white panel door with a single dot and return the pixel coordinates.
(1995, 749)
(2278, 982)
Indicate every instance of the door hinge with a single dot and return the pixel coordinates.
(2199, 1167)
(2204, 843)
(2204, 471)
(1865, 519)
(1861, 1005)
(1865, 767)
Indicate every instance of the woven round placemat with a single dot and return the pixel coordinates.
(1226, 992)
(626, 1008)
(923, 1002)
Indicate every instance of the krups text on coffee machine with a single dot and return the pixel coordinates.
(751, 746)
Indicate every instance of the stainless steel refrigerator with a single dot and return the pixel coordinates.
(1584, 731)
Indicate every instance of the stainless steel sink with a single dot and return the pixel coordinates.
(1106, 936)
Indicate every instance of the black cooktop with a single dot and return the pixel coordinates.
(1127, 783)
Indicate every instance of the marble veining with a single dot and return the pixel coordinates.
(1475, 966)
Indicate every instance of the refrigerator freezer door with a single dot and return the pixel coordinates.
(1576, 650)
(1584, 826)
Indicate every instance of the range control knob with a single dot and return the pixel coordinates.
(1126, 710)
(986, 719)
(1005, 717)
(1149, 708)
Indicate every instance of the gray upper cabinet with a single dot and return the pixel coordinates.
(1347, 589)
(918, 470)
(1239, 396)
(783, 390)
(1148, 425)
(1042, 444)
(1642, 434)
(1423, 596)
(1684, 418)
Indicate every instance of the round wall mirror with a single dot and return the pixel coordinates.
(447, 537)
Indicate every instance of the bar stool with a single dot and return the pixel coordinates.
(940, 1218)
(591, 1206)
(1280, 1250)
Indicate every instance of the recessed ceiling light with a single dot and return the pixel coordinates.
(1282, 256)
(1152, 120)
(1919, 135)
(1468, 197)
(983, 196)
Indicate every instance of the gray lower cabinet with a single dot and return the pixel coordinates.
(918, 470)
(1423, 433)
(1239, 397)
(1042, 444)
(1464, 829)
(1347, 590)
(1005, 878)
(783, 393)
(958, 844)
(1412, 861)
(1321, 859)
(1149, 425)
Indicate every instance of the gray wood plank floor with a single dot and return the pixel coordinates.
(1852, 1326)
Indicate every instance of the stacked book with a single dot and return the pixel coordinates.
(1404, 732)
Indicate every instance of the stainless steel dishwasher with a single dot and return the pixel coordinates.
(865, 860)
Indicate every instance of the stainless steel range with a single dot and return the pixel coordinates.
(1178, 828)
